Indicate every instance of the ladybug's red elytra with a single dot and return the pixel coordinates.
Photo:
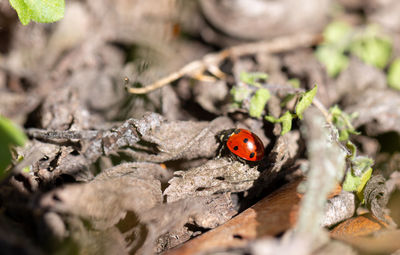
(245, 145)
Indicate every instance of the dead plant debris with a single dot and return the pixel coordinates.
(122, 105)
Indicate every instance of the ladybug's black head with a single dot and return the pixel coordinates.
(225, 134)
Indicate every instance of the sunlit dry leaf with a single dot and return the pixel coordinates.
(180, 140)
(216, 176)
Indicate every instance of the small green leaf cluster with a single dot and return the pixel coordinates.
(372, 48)
(10, 135)
(340, 40)
(359, 173)
(258, 102)
(342, 122)
(331, 53)
(43, 11)
(253, 78)
(360, 167)
(305, 100)
(250, 94)
(360, 170)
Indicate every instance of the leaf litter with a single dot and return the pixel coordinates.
(107, 172)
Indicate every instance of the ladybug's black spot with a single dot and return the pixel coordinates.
(237, 131)
(236, 148)
(245, 140)
(252, 155)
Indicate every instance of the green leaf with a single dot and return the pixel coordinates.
(10, 135)
(286, 120)
(361, 164)
(253, 78)
(239, 93)
(305, 101)
(359, 175)
(351, 182)
(357, 183)
(372, 50)
(22, 11)
(352, 148)
(364, 179)
(258, 101)
(44, 11)
(335, 111)
(343, 135)
(342, 122)
(393, 76)
(272, 119)
(334, 60)
(337, 37)
(336, 32)
(294, 82)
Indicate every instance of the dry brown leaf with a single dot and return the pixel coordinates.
(383, 242)
(253, 20)
(180, 139)
(271, 216)
(207, 212)
(166, 218)
(378, 110)
(359, 226)
(355, 79)
(217, 209)
(105, 200)
(215, 176)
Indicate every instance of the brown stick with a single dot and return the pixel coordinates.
(212, 60)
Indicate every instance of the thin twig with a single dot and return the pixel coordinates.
(212, 61)
(323, 110)
(61, 134)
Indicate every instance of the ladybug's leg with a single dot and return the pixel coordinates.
(222, 137)
(237, 158)
(221, 149)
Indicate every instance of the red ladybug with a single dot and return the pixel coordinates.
(244, 144)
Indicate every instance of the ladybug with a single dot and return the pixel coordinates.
(244, 144)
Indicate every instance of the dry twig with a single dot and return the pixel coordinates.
(211, 61)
